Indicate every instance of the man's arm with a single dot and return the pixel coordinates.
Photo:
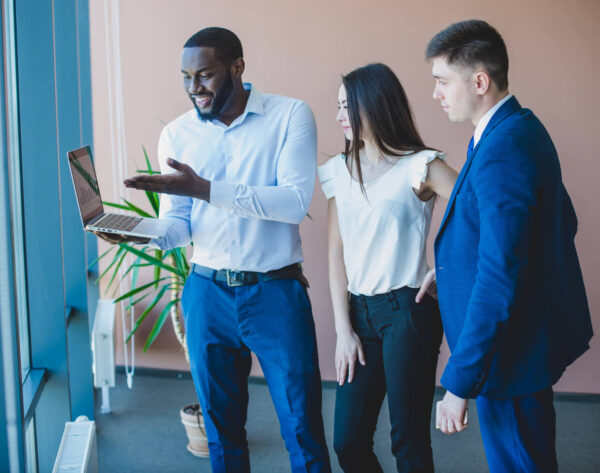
(174, 208)
(288, 201)
(506, 179)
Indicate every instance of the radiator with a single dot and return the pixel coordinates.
(77, 452)
(103, 344)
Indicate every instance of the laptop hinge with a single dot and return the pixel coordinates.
(95, 219)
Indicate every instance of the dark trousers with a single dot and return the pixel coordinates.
(519, 433)
(274, 320)
(401, 340)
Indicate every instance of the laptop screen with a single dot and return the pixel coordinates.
(86, 184)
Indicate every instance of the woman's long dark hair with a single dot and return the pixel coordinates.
(375, 94)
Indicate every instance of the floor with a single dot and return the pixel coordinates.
(143, 432)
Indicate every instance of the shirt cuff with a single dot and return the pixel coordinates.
(222, 194)
(155, 243)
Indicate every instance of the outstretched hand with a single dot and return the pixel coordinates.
(428, 287)
(183, 182)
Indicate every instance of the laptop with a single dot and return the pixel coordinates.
(91, 209)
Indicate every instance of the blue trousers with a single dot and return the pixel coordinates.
(274, 320)
(519, 433)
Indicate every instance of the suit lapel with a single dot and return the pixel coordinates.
(457, 186)
(511, 106)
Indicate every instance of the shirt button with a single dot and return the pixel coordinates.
(440, 267)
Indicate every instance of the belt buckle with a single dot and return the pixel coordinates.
(235, 278)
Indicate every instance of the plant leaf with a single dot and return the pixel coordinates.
(93, 263)
(154, 201)
(158, 254)
(118, 206)
(159, 324)
(139, 299)
(112, 263)
(137, 210)
(116, 270)
(132, 266)
(135, 291)
(181, 261)
(149, 170)
(149, 258)
(143, 315)
(134, 278)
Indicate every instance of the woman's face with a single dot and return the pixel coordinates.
(342, 115)
(344, 118)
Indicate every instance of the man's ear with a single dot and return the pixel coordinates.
(481, 82)
(237, 67)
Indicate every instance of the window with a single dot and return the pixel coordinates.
(45, 288)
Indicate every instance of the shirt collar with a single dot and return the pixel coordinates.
(483, 121)
(255, 102)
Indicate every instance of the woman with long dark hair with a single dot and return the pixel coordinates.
(381, 192)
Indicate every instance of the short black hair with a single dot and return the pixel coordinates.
(470, 43)
(226, 44)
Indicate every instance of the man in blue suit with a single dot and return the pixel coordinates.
(510, 287)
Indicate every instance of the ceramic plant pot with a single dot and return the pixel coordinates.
(193, 421)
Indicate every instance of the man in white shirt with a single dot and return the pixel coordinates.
(238, 172)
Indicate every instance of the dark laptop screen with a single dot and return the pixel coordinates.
(85, 182)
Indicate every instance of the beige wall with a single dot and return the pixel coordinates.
(301, 49)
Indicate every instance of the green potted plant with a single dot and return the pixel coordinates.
(169, 271)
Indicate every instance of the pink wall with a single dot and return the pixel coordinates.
(300, 49)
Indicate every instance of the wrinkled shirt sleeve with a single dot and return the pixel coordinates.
(288, 200)
(174, 208)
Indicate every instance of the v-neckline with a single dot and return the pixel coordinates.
(400, 158)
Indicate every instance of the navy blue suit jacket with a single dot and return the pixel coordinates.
(512, 298)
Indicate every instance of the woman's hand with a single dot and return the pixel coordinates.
(428, 287)
(347, 349)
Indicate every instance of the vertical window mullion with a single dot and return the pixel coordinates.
(11, 350)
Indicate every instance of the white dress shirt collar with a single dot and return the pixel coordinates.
(483, 121)
(253, 105)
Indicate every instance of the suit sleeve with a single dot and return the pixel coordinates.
(506, 179)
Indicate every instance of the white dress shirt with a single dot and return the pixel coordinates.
(384, 236)
(483, 121)
(262, 170)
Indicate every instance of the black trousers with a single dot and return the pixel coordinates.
(401, 340)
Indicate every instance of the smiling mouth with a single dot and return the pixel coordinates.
(202, 100)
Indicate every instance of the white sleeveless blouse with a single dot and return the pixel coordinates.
(385, 236)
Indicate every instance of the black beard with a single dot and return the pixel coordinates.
(220, 99)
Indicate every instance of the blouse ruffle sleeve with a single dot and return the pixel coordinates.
(420, 166)
(327, 176)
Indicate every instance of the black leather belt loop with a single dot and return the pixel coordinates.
(245, 278)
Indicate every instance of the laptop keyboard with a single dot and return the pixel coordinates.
(118, 222)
